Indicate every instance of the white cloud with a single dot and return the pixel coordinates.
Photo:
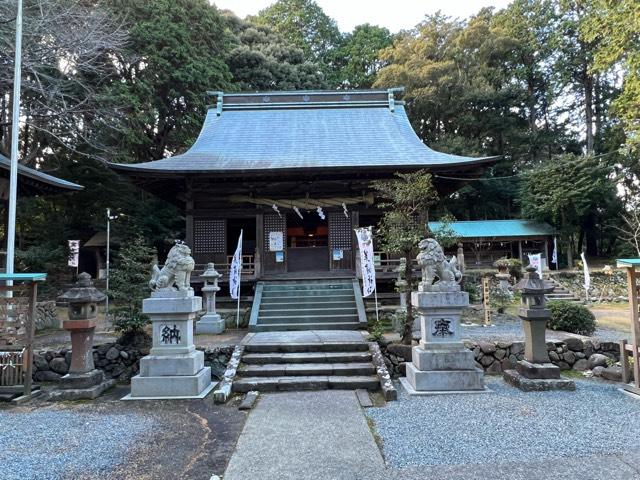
(396, 15)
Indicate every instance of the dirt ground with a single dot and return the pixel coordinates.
(189, 439)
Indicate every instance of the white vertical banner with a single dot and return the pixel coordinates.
(365, 244)
(554, 255)
(535, 261)
(234, 277)
(74, 253)
(234, 272)
(587, 276)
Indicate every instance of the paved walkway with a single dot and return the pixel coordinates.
(324, 435)
(306, 435)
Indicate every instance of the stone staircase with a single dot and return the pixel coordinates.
(307, 305)
(287, 361)
(560, 292)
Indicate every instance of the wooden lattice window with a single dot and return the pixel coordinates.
(274, 223)
(209, 236)
(340, 231)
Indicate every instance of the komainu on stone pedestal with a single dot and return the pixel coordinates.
(441, 362)
(174, 368)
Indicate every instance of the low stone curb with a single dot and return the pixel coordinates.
(222, 393)
(386, 385)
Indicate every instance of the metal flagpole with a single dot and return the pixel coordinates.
(375, 283)
(15, 126)
(106, 304)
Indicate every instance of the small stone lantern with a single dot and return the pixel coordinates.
(210, 322)
(535, 372)
(83, 380)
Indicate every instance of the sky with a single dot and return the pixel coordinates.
(395, 15)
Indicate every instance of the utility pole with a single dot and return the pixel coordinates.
(15, 130)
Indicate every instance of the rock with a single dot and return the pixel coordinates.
(487, 360)
(118, 370)
(554, 357)
(402, 369)
(569, 357)
(59, 365)
(609, 347)
(500, 354)
(597, 360)
(504, 345)
(479, 365)
(487, 347)
(494, 368)
(564, 366)
(476, 352)
(551, 346)
(124, 354)
(40, 362)
(589, 349)
(597, 371)
(613, 373)
(574, 344)
(400, 350)
(112, 353)
(506, 364)
(579, 355)
(67, 357)
(102, 349)
(513, 359)
(48, 356)
(516, 348)
(46, 376)
(581, 365)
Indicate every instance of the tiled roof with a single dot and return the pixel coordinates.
(38, 182)
(497, 228)
(304, 130)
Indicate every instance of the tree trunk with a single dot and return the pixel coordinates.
(569, 254)
(588, 109)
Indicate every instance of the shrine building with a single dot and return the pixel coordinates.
(293, 171)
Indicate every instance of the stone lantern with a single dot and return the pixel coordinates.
(210, 322)
(535, 372)
(83, 379)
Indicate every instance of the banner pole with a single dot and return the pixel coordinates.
(375, 293)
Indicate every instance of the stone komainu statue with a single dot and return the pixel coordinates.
(177, 270)
(434, 264)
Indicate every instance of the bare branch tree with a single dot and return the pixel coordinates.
(69, 47)
(630, 230)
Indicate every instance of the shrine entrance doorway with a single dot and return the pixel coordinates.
(307, 243)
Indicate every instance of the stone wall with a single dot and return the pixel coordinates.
(117, 361)
(604, 287)
(494, 357)
(46, 315)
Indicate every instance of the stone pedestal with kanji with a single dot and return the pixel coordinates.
(173, 368)
(535, 372)
(441, 362)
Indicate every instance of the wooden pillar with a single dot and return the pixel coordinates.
(635, 322)
(259, 244)
(520, 251)
(546, 254)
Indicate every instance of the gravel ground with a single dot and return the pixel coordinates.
(491, 428)
(52, 443)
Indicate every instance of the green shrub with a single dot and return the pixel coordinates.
(130, 285)
(571, 317)
(500, 299)
(515, 268)
(472, 290)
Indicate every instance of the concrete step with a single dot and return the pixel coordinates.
(307, 287)
(306, 369)
(301, 317)
(264, 307)
(305, 357)
(298, 348)
(288, 327)
(312, 382)
(306, 311)
(308, 293)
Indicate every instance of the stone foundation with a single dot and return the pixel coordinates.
(496, 357)
(117, 362)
